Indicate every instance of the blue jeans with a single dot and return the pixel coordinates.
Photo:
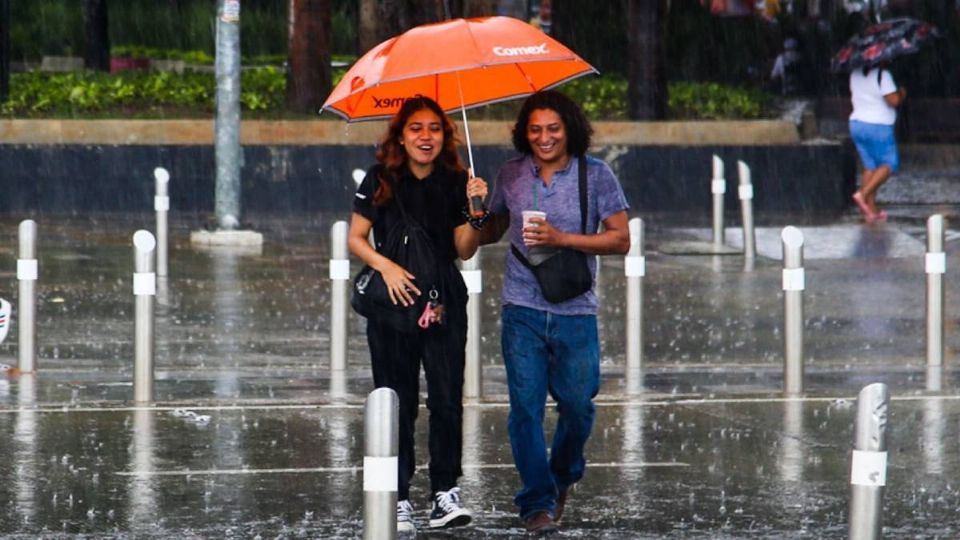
(560, 354)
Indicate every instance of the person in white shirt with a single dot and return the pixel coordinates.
(875, 97)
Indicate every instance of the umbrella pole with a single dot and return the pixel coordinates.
(466, 130)
(466, 126)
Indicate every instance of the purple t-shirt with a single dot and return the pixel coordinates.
(519, 187)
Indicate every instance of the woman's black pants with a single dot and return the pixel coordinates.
(396, 359)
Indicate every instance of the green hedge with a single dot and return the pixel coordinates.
(263, 91)
(133, 93)
(714, 101)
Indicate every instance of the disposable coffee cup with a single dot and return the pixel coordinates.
(529, 214)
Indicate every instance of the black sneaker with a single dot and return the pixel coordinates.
(405, 517)
(447, 511)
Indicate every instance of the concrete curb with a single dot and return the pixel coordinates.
(323, 132)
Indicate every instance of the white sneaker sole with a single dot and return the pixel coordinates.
(406, 527)
(459, 518)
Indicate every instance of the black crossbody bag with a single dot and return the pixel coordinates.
(565, 274)
(410, 246)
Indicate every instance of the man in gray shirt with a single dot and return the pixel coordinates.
(552, 346)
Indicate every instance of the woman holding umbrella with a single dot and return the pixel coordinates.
(419, 175)
(875, 97)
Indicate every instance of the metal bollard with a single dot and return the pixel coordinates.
(634, 268)
(25, 456)
(791, 460)
(936, 265)
(6, 314)
(718, 187)
(144, 289)
(745, 190)
(161, 203)
(27, 274)
(339, 290)
(381, 417)
(473, 371)
(143, 491)
(868, 468)
(793, 285)
(935, 438)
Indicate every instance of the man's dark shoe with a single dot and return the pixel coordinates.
(540, 523)
(561, 503)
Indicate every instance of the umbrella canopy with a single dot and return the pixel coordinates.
(460, 63)
(883, 42)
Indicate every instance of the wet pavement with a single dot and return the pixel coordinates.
(250, 437)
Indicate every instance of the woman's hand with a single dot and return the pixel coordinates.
(476, 187)
(399, 284)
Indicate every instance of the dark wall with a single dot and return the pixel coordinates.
(307, 178)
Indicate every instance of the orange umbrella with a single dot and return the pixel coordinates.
(460, 63)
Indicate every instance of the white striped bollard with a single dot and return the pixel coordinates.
(6, 313)
(936, 266)
(745, 190)
(793, 286)
(161, 204)
(635, 268)
(144, 290)
(718, 187)
(868, 467)
(27, 274)
(473, 371)
(381, 420)
(339, 290)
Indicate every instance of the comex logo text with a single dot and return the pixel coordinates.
(520, 51)
(388, 102)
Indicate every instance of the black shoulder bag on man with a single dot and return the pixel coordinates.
(410, 246)
(565, 274)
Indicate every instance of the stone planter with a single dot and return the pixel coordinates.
(61, 63)
(176, 66)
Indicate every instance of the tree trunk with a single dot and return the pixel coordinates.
(4, 50)
(368, 18)
(380, 20)
(308, 55)
(96, 53)
(596, 31)
(646, 76)
(425, 12)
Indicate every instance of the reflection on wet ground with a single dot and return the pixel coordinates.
(246, 439)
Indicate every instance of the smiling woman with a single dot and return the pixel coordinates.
(422, 139)
(415, 201)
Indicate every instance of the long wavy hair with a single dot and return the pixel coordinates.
(393, 156)
(574, 121)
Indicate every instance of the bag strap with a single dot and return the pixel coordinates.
(395, 181)
(582, 189)
(582, 181)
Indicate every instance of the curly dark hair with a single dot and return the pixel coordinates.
(393, 156)
(575, 123)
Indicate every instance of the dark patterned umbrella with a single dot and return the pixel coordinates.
(883, 42)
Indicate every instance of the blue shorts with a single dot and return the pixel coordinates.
(876, 143)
